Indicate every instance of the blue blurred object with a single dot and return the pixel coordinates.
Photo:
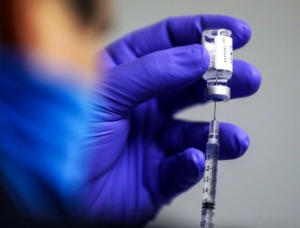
(41, 123)
(139, 158)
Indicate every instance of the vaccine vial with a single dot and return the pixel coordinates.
(218, 43)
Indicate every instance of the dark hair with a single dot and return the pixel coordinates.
(86, 9)
(93, 12)
(90, 12)
(5, 21)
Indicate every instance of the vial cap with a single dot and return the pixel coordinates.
(217, 93)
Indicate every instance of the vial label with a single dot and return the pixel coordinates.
(223, 53)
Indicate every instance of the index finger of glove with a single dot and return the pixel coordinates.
(126, 86)
(177, 136)
(177, 31)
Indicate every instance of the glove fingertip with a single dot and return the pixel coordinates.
(246, 80)
(181, 172)
(243, 34)
(193, 165)
(234, 141)
(255, 82)
(198, 58)
(242, 142)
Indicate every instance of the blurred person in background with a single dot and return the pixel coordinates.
(89, 136)
(47, 66)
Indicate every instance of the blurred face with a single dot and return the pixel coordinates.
(69, 31)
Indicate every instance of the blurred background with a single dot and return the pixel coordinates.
(262, 188)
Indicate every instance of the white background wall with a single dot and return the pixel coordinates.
(262, 188)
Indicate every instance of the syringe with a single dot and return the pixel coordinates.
(210, 174)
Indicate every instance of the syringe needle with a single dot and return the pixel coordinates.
(215, 110)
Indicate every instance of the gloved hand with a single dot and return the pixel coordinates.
(139, 157)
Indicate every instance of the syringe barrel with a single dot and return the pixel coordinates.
(211, 163)
(210, 174)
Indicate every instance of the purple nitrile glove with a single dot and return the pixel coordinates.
(139, 157)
